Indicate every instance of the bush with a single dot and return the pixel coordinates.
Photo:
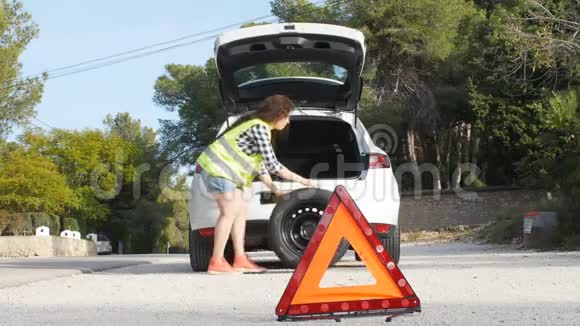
(572, 242)
(14, 224)
(70, 223)
(26, 223)
(509, 226)
(4, 221)
(502, 231)
(43, 219)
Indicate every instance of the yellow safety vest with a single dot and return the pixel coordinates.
(223, 158)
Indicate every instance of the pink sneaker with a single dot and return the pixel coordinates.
(244, 264)
(220, 267)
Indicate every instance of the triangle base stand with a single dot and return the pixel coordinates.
(388, 313)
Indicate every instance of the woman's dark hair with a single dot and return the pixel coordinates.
(272, 108)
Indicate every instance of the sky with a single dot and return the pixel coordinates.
(76, 31)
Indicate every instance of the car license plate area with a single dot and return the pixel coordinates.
(528, 224)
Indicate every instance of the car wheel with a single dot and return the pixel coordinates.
(392, 243)
(293, 223)
(200, 251)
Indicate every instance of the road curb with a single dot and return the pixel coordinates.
(69, 273)
(108, 268)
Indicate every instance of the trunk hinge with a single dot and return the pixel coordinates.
(235, 109)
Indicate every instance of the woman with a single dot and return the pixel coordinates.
(230, 164)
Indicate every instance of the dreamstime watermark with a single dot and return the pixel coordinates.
(385, 137)
(430, 171)
(101, 177)
(363, 181)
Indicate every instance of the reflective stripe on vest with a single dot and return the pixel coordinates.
(247, 165)
(223, 158)
(226, 170)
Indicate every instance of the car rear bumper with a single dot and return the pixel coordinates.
(376, 196)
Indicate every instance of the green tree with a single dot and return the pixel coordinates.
(32, 183)
(460, 81)
(543, 35)
(138, 214)
(131, 130)
(95, 164)
(18, 95)
(114, 181)
(555, 160)
(145, 160)
(305, 11)
(175, 229)
(514, 65)
(412, 66)
(192, 91)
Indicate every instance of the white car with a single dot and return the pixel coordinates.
(319, 66)
(103, 243)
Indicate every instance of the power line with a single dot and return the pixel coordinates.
(155, 45)
(107, 63)
(140, 49)
(37, 125)
(44, 123)
(96, 66)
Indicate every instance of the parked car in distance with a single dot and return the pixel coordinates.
(103, 243)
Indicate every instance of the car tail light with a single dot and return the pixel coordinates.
(532, 214)
(207, 232)
(381, 228)
(379, 161)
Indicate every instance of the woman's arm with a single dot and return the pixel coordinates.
(267, 180)
(286, 174)
(271, 164)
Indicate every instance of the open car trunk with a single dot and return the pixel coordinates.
(319, 148)
(318, 65)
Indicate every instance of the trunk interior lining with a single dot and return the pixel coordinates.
(317, 147)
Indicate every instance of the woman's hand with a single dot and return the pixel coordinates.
(280, 193)
(291, 176)
(310, 183)
(267, 180)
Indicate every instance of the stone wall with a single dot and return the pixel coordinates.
(428, 210)
(25, 246)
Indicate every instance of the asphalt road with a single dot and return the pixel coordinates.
(458, 284)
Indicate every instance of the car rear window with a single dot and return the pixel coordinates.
(102, 237)
(290, 69)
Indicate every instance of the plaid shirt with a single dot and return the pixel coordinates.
(256, 140)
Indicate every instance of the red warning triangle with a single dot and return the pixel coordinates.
(305, 299)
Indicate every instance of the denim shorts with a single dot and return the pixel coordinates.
(217, 184)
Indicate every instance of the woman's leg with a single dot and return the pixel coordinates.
(241, 261)
(239, 227)
(228, 204)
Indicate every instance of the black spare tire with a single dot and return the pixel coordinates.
(294, 220)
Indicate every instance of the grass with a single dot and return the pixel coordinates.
(508, 229)
(453, 233)
(501, 232)
(571, 242)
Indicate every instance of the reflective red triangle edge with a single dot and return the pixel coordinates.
(408, 304)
